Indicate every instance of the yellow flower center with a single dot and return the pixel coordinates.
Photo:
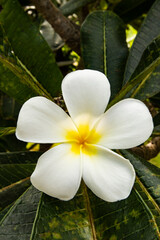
(81, 138)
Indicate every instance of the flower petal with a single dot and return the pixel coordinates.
(125, 125)
(86, 92)
(107, 174)
(58, 172)
(42, 121)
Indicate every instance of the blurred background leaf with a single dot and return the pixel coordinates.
(129, 10)
(149, 30)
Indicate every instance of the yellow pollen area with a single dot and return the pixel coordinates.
(81, 138)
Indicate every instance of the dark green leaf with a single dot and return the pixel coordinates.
(104, 46)
(88, 217)
(156, 100)
(25, 77)
(149, 87)
(29, 46)
(12, 192)
(17, 223)
(4, 211)
(148, 174)
(150, 29)
(9, 109)
(16, 166)
(9, 143)
(149, 61)
(10, 84)
(129, 10)
(156, 120)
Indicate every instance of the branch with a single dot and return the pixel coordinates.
(68, 31)
(149, 150)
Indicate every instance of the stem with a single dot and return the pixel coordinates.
(68, 31)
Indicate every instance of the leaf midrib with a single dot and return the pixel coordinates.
(104, 47)
(89, 210)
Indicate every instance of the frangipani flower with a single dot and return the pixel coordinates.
(85, 138)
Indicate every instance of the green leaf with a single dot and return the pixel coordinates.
(29, 46)
(11, 85)
(104, 46)
(9, 143)
(149, 180)
(25, 77)
(149, 61)
(149, 30)
(149, 86)
(9, 110)
(12, 81)
(16, 166)
(17, 222)
(10, 193)
(88, 217)
(6, 131)
(4, 211)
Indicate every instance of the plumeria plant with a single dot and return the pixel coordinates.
(80, 120)
(85, 138)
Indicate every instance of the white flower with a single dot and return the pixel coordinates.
(85, 138)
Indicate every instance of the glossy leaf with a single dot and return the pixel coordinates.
(149, 30)
(104, 46)
(88, 217)
(29, 46)
(149, 61)
(148, 178)
(17, 223)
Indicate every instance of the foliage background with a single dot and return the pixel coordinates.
(118, 37)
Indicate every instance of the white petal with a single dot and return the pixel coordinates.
(86, 93)
(42, 121)
(107, 174)
(125, 125)
(58, 172)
